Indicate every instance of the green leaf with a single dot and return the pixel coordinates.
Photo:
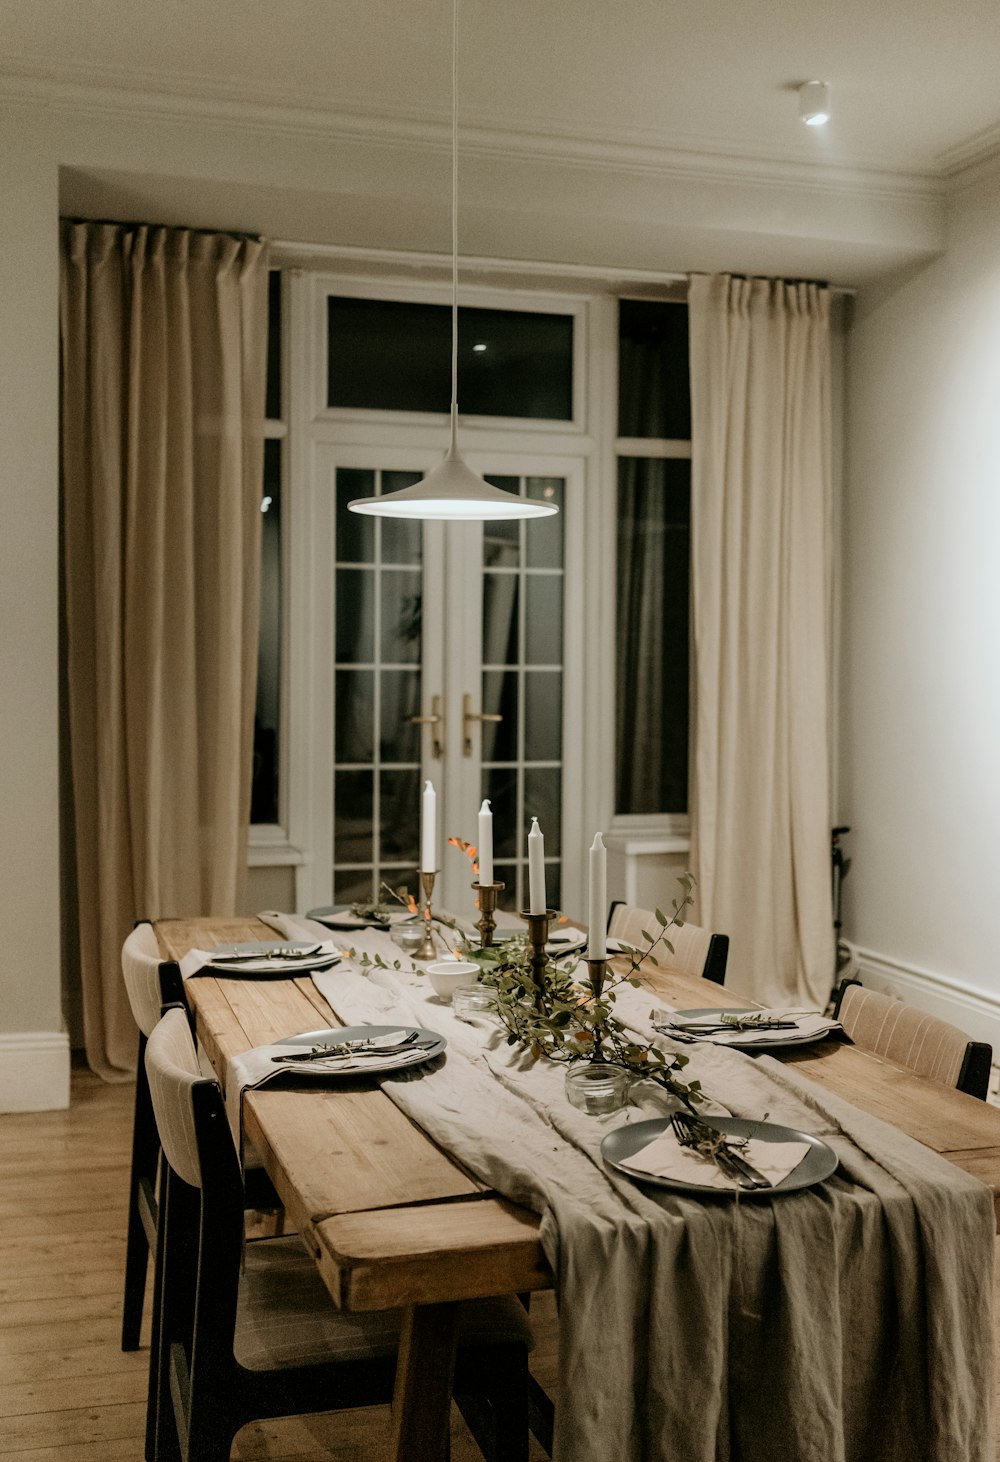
(662, 919)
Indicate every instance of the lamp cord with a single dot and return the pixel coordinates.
(454, 224)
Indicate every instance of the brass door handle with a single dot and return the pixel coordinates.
(435, 719)
(468, 716)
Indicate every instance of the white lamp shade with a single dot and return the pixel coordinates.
(452, 490)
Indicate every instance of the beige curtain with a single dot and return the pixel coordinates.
(761, 597)
(164, 339)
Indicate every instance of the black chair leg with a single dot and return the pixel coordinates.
(141, 1194)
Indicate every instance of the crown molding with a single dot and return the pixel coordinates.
(981, 149)
(195, 100)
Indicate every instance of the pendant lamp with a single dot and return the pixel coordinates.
(452, 490)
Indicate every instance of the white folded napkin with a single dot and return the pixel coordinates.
(197, 960)
(806, 1024)
(664, 1157)
(294, 926)
(256, 1068)
(567, 935)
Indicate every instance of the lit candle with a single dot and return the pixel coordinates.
(536, 869)
(428, 830)
(598, 947)
(485, 843)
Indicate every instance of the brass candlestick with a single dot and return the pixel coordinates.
(487, 894)
(427, 949)
(538, 934)
(597, 969)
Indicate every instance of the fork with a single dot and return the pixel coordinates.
(686, 1130)
(343, 1050)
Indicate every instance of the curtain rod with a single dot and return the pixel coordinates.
(293, 252)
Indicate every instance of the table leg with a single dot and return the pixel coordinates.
(421, 1405)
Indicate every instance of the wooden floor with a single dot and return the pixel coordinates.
(67, 1392)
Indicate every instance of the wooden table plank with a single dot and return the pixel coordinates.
(422, 1255)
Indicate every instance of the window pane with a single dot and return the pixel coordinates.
(392, 355)
(400, 816)
(353, 811)
(500, 698)
(501, 542)
(267, 712)
(400, 701)
(272, 409)
(543, 715)
(355, 531)
(355, 616)
(353, 885)
(401, 615)
(543, 620)
(651, 690)
(545, 535)
(354, 738)
(402, 540)
(654, 394)
(500, 786)
(500, 638)
(542, 799)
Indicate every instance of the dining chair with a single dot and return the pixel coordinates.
(151, 983)
(249, 1332)
(696, 951)
(910, 1038)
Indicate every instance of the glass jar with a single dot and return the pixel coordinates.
(479, 1002)
(408, 937)
(596, 1087)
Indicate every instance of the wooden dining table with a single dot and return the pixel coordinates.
(392, 1221)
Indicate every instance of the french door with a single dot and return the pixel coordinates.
(457, 653)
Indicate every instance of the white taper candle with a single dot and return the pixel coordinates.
(536, 869)
(485, 843)
(428, 829)
(598, 911)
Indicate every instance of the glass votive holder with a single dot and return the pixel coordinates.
(408, 937)
(478, 1002)
(596, 1087)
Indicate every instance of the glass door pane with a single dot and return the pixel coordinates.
(522, 684)
(379, 568)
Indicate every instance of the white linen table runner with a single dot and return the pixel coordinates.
(849, 1322)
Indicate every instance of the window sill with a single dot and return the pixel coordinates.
(651, 844)
(269, 848)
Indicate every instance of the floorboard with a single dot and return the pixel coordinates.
(67, 1392)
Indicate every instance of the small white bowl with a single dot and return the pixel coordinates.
(450, 975)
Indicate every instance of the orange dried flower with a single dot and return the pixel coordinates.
(470, 852)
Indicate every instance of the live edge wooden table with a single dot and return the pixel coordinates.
(392, 1221)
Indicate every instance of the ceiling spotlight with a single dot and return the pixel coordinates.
(814, 103)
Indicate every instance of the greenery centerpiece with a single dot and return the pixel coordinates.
(555, 1016)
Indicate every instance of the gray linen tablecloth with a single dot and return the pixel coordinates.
(850, 1322)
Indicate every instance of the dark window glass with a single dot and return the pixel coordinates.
(654, 391)
(273, 408)
(392, 355)
(267, 713)
(651, 691)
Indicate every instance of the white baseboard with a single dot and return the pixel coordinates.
(977, 1012)
(34, 1071)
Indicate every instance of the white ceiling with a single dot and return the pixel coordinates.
(913, 81)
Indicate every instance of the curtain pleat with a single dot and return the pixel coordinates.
(761, 604)
(164, 341)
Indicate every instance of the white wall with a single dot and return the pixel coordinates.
(920, 768)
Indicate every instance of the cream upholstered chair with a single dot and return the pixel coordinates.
(909, 1038)
(696, 951)
(241, 1341)
(151, 983)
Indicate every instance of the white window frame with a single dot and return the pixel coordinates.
(306, 765)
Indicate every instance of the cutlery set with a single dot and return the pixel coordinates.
(283, 952)
(347, 1050)
(699, 1135)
